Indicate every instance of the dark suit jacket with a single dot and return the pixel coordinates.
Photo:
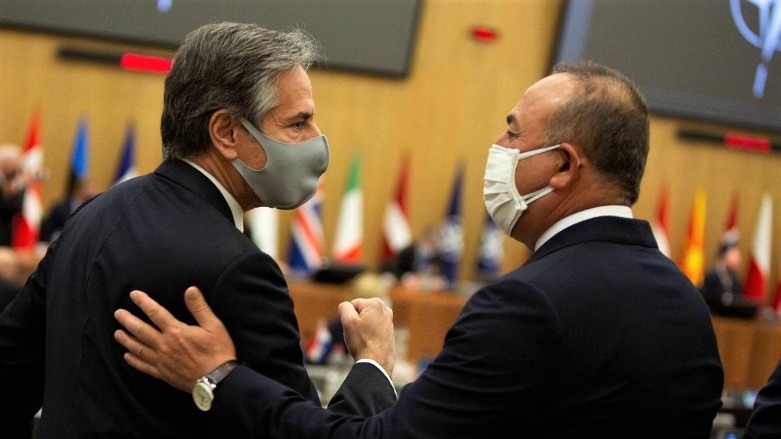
(598, 335)
(159, 233)
(765, 420)
(8, 290)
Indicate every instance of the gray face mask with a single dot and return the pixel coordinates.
(292, 170)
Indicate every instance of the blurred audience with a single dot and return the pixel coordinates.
(417, 265)
(51, 226)
(9, 276)
(12, 184)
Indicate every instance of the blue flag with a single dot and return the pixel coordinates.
(126, 169)
(451, 239)
(79, 156)
(489, 258)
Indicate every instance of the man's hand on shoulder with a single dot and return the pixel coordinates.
(176, 353)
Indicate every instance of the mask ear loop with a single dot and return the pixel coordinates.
(536, 195)
(527, 154)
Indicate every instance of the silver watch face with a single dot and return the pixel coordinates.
(202, 395)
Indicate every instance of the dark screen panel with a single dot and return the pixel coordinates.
(699, 59)
(366, 35)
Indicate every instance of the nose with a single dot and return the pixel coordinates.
(316, 130)
(503, 140)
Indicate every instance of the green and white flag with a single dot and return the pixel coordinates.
(348, 245)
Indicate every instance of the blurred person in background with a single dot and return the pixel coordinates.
(12, 184)
(9, 276)
(721, 285)
(55, 220)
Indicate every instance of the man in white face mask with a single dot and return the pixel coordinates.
(597, 335)
(238, 132)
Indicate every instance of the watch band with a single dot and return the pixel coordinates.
(222, 371)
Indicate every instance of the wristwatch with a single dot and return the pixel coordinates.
(203, 392)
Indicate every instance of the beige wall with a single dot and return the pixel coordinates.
(448, 110)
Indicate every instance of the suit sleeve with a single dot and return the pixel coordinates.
(765, 420)
(497, 361)
(252, 300)
(22, 353)
(365, 391)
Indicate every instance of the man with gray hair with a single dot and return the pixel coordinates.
(238, 132)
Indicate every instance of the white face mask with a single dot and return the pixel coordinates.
(501, 197)
(292, 170)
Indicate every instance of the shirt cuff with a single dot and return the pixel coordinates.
(377, 365)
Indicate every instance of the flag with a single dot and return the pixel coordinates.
(692, 261)
(126, 169)
(489, 259)
(731, 231)
(660, 224)
(26, 225)
(306, 243)
(777, 298)
(319, 345)
(79, 156)
(396, 233)
(263, 227)
(349, 233)
(759, 262)
(451, 235)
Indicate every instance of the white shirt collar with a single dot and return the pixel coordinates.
(235, 207)
(594, 212)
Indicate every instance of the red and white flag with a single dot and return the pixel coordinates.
(396, 233)
(26, 225)
(659, 225)
(759, 263)
(318, 347)
(777, 298)
(731, 231)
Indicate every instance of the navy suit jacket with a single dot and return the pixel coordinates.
(597, 335)
(765, 420)
(159, 233)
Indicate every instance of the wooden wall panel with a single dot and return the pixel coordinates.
(448, 111)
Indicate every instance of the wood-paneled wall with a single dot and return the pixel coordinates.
(447, 111)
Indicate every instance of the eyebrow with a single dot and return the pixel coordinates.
(303, 115)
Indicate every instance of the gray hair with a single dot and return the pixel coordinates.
(228, 66)
(608, 118)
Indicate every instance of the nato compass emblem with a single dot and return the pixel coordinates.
(164, 6)
(767, 39)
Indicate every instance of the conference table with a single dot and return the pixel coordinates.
(749, 348)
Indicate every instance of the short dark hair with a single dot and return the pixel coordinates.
(608, 118)
(230, 66)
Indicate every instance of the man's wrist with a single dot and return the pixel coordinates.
(382, 369)
(203, 391)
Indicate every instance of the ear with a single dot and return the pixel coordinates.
(224, 132)
(568, 166)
